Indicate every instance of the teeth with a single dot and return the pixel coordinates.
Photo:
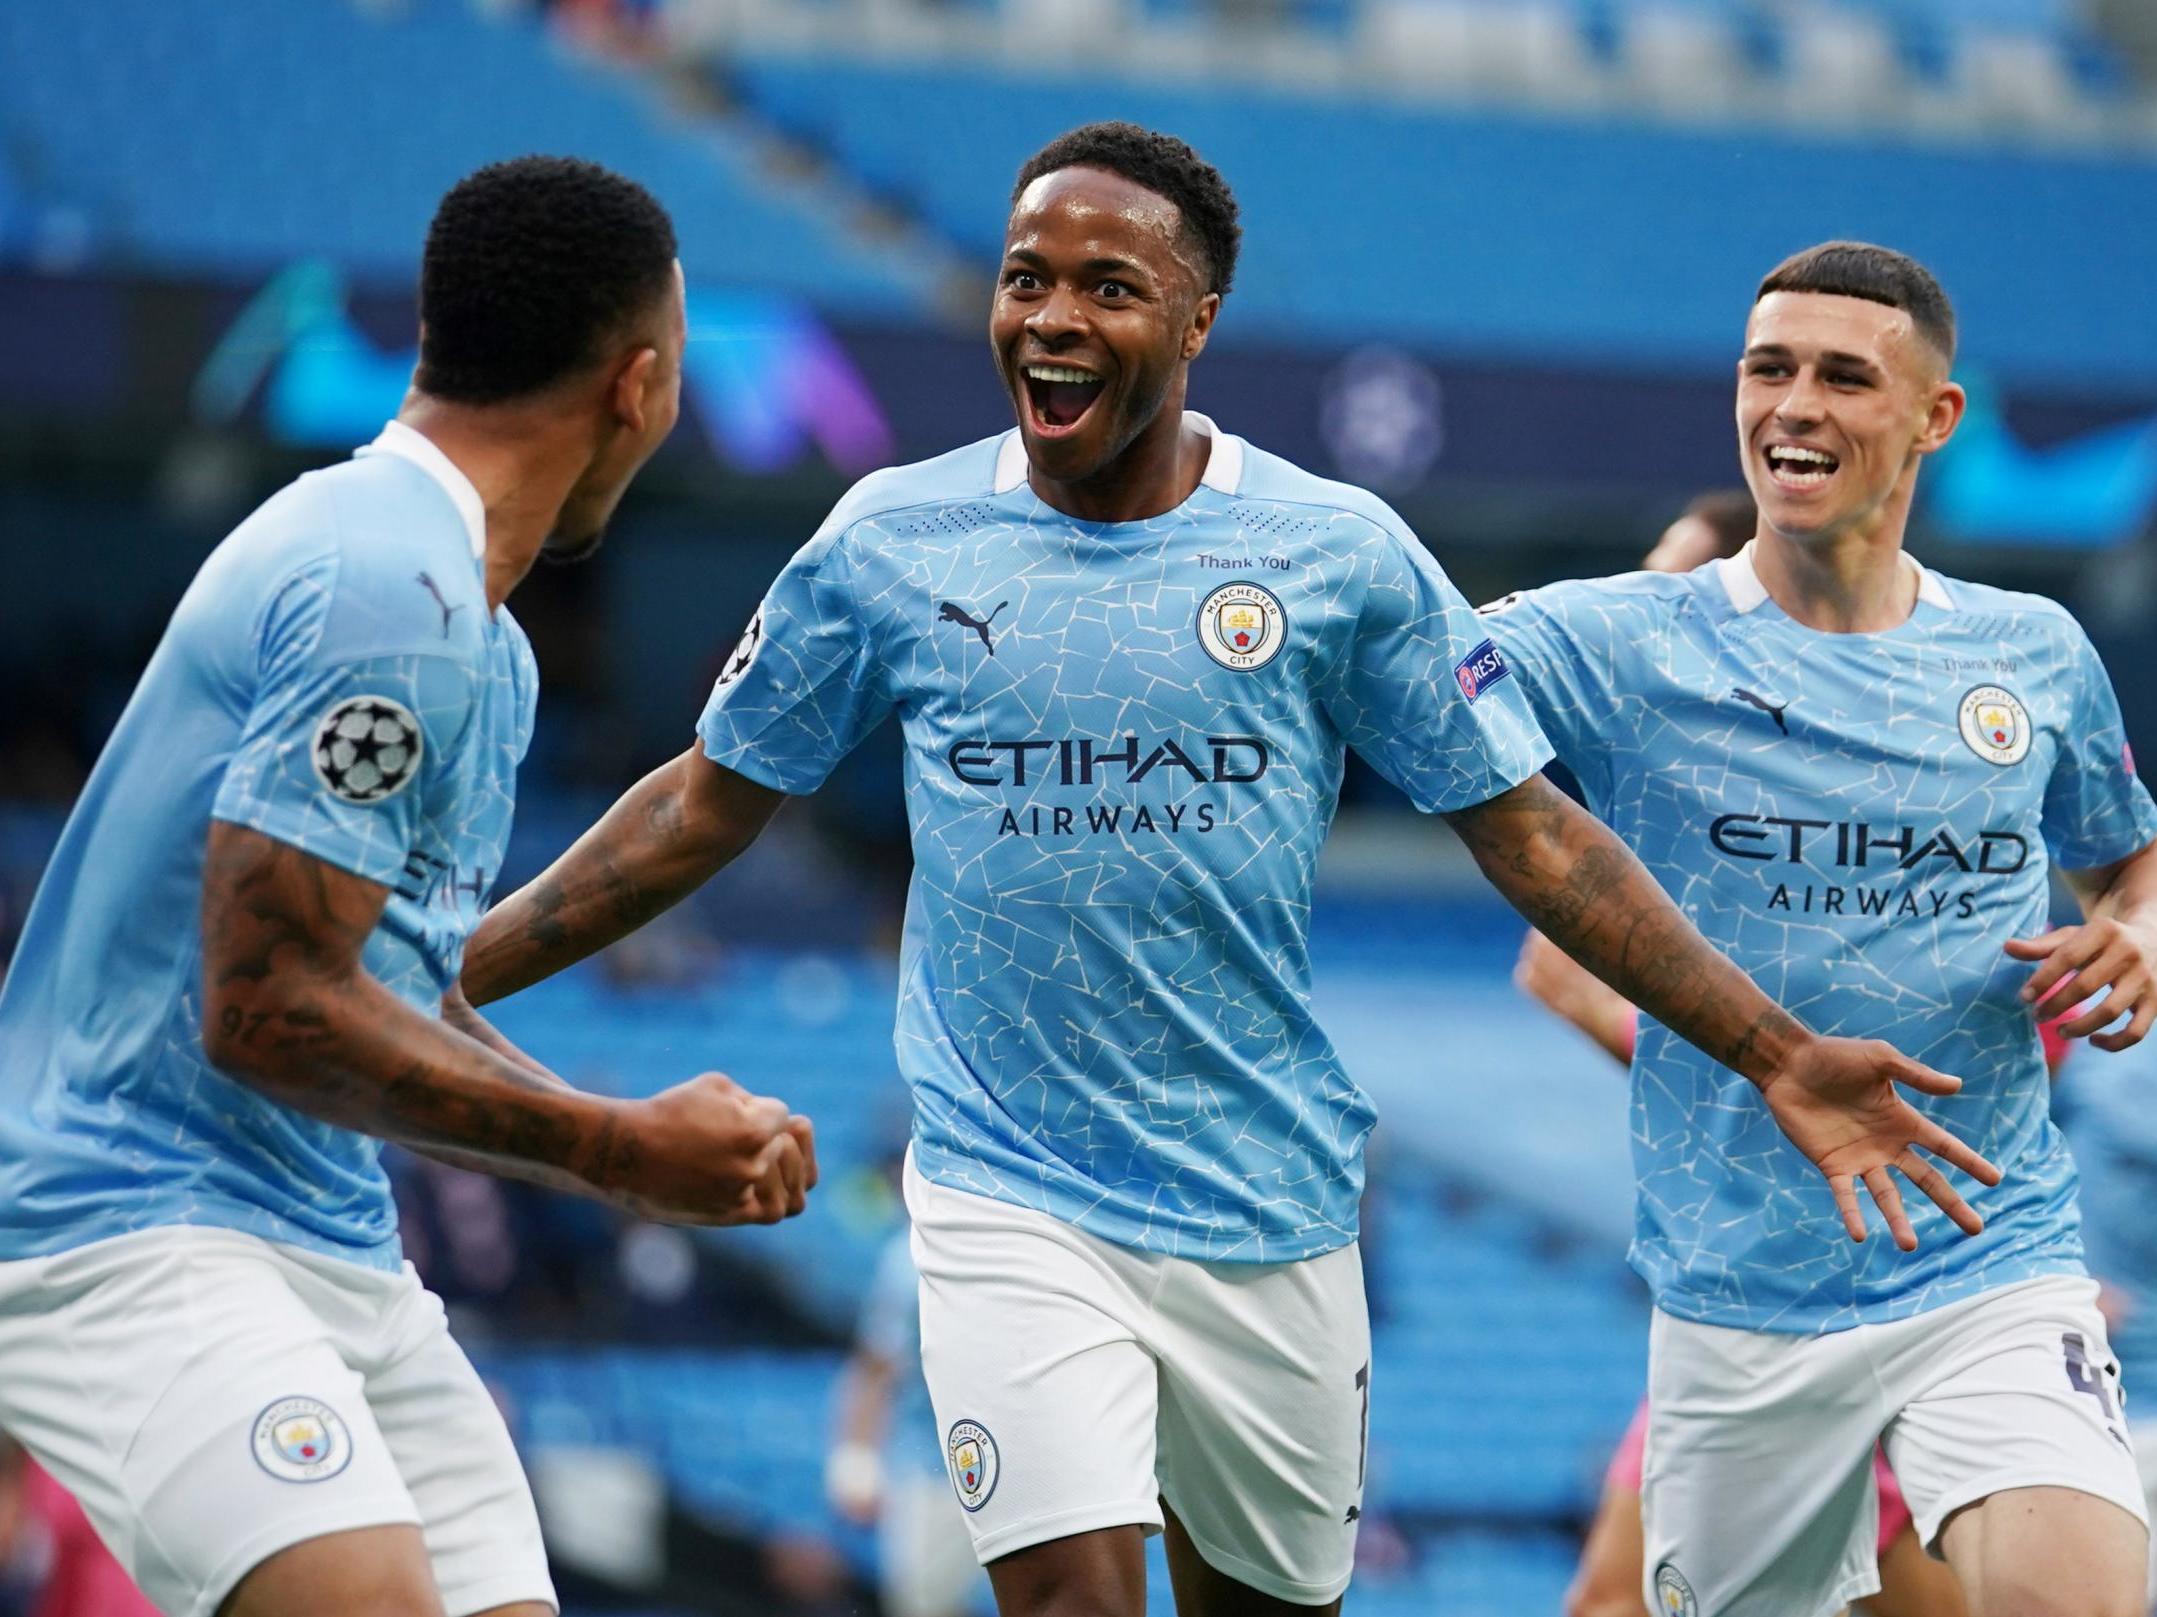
(1059, 373)
(1817, 457)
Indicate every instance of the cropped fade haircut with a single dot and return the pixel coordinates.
(532, 267)
(1857, 269)
(1165, 166)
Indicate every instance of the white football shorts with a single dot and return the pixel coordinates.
(1757, 1495)
(212, 1398)
(1078, 1383)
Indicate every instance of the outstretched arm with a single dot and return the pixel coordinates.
(289, 1010)
(670, 833)
(1583, 889)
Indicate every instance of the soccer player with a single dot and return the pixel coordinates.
(226, 993)
(886, 1466)
(1129, 651)
(1856, 774)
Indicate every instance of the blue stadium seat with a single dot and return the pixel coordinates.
(194, 170)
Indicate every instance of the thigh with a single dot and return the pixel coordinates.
(1611, 1572)
(1757, 1492)
(2014, 1390)
(1101, 1573)
(1045, 1396)
(196, 1408)
(369, 1572)
(454, 1452)
(1204, 1590)
(2047, 1552)
(1265, 1405)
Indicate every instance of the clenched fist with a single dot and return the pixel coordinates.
(709, 1152)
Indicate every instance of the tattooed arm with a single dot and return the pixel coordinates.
(289, 1010)
(670, 833)
(1835, 1098)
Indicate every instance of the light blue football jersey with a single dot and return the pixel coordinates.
(332, 679)
(1860, 821)
(1123, 748)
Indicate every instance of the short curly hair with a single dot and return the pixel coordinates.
(531, 267)
(1162, 164)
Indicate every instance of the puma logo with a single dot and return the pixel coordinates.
(952, 612)
(1771, 709)
(448, 611)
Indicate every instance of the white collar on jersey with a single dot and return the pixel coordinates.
(1224, 465)
(407, 443)
(1742, 582)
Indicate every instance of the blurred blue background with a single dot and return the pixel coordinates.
(1498, 256)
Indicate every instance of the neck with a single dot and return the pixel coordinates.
(522, 461)
(1855, 581)
(1156, 472)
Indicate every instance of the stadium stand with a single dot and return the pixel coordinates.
(1422, 248)
(193, 170)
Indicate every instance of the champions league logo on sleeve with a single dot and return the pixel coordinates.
(974, 1464)
(301, 1440)
(367, 748)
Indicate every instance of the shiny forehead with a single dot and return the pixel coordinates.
(1104, 208)
(1830, 322)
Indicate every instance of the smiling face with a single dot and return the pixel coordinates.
(1839, 399)
(1100, 307)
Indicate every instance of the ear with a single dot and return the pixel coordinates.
(631, 387)
(1194, 335)
(1949, 402)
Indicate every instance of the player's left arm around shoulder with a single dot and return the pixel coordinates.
(2111, 952)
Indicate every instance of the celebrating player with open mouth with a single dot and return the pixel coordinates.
(1129, 652)
(1856, 775)
(228, 990)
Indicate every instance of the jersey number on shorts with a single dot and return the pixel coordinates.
(2098, 1383)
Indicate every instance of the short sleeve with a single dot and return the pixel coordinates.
(339, 744)
(1422, 695)
(800, 690)
(1566, 687)
(2097, 811)
(890, 1319)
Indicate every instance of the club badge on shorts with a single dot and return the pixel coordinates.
(301, 1440)
(1673, 1595)
(971, 1453)
(1996, 725)
(1242, 626)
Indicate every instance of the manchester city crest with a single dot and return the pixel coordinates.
(1673, 1595)
(1996, 725)
(1242, 626)
(971, 1453)
(301, 1440)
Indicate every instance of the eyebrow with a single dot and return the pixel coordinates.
(1093, 266)
(1834, 356)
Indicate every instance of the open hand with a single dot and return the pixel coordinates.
(1836, 1100)
(2100, 954)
